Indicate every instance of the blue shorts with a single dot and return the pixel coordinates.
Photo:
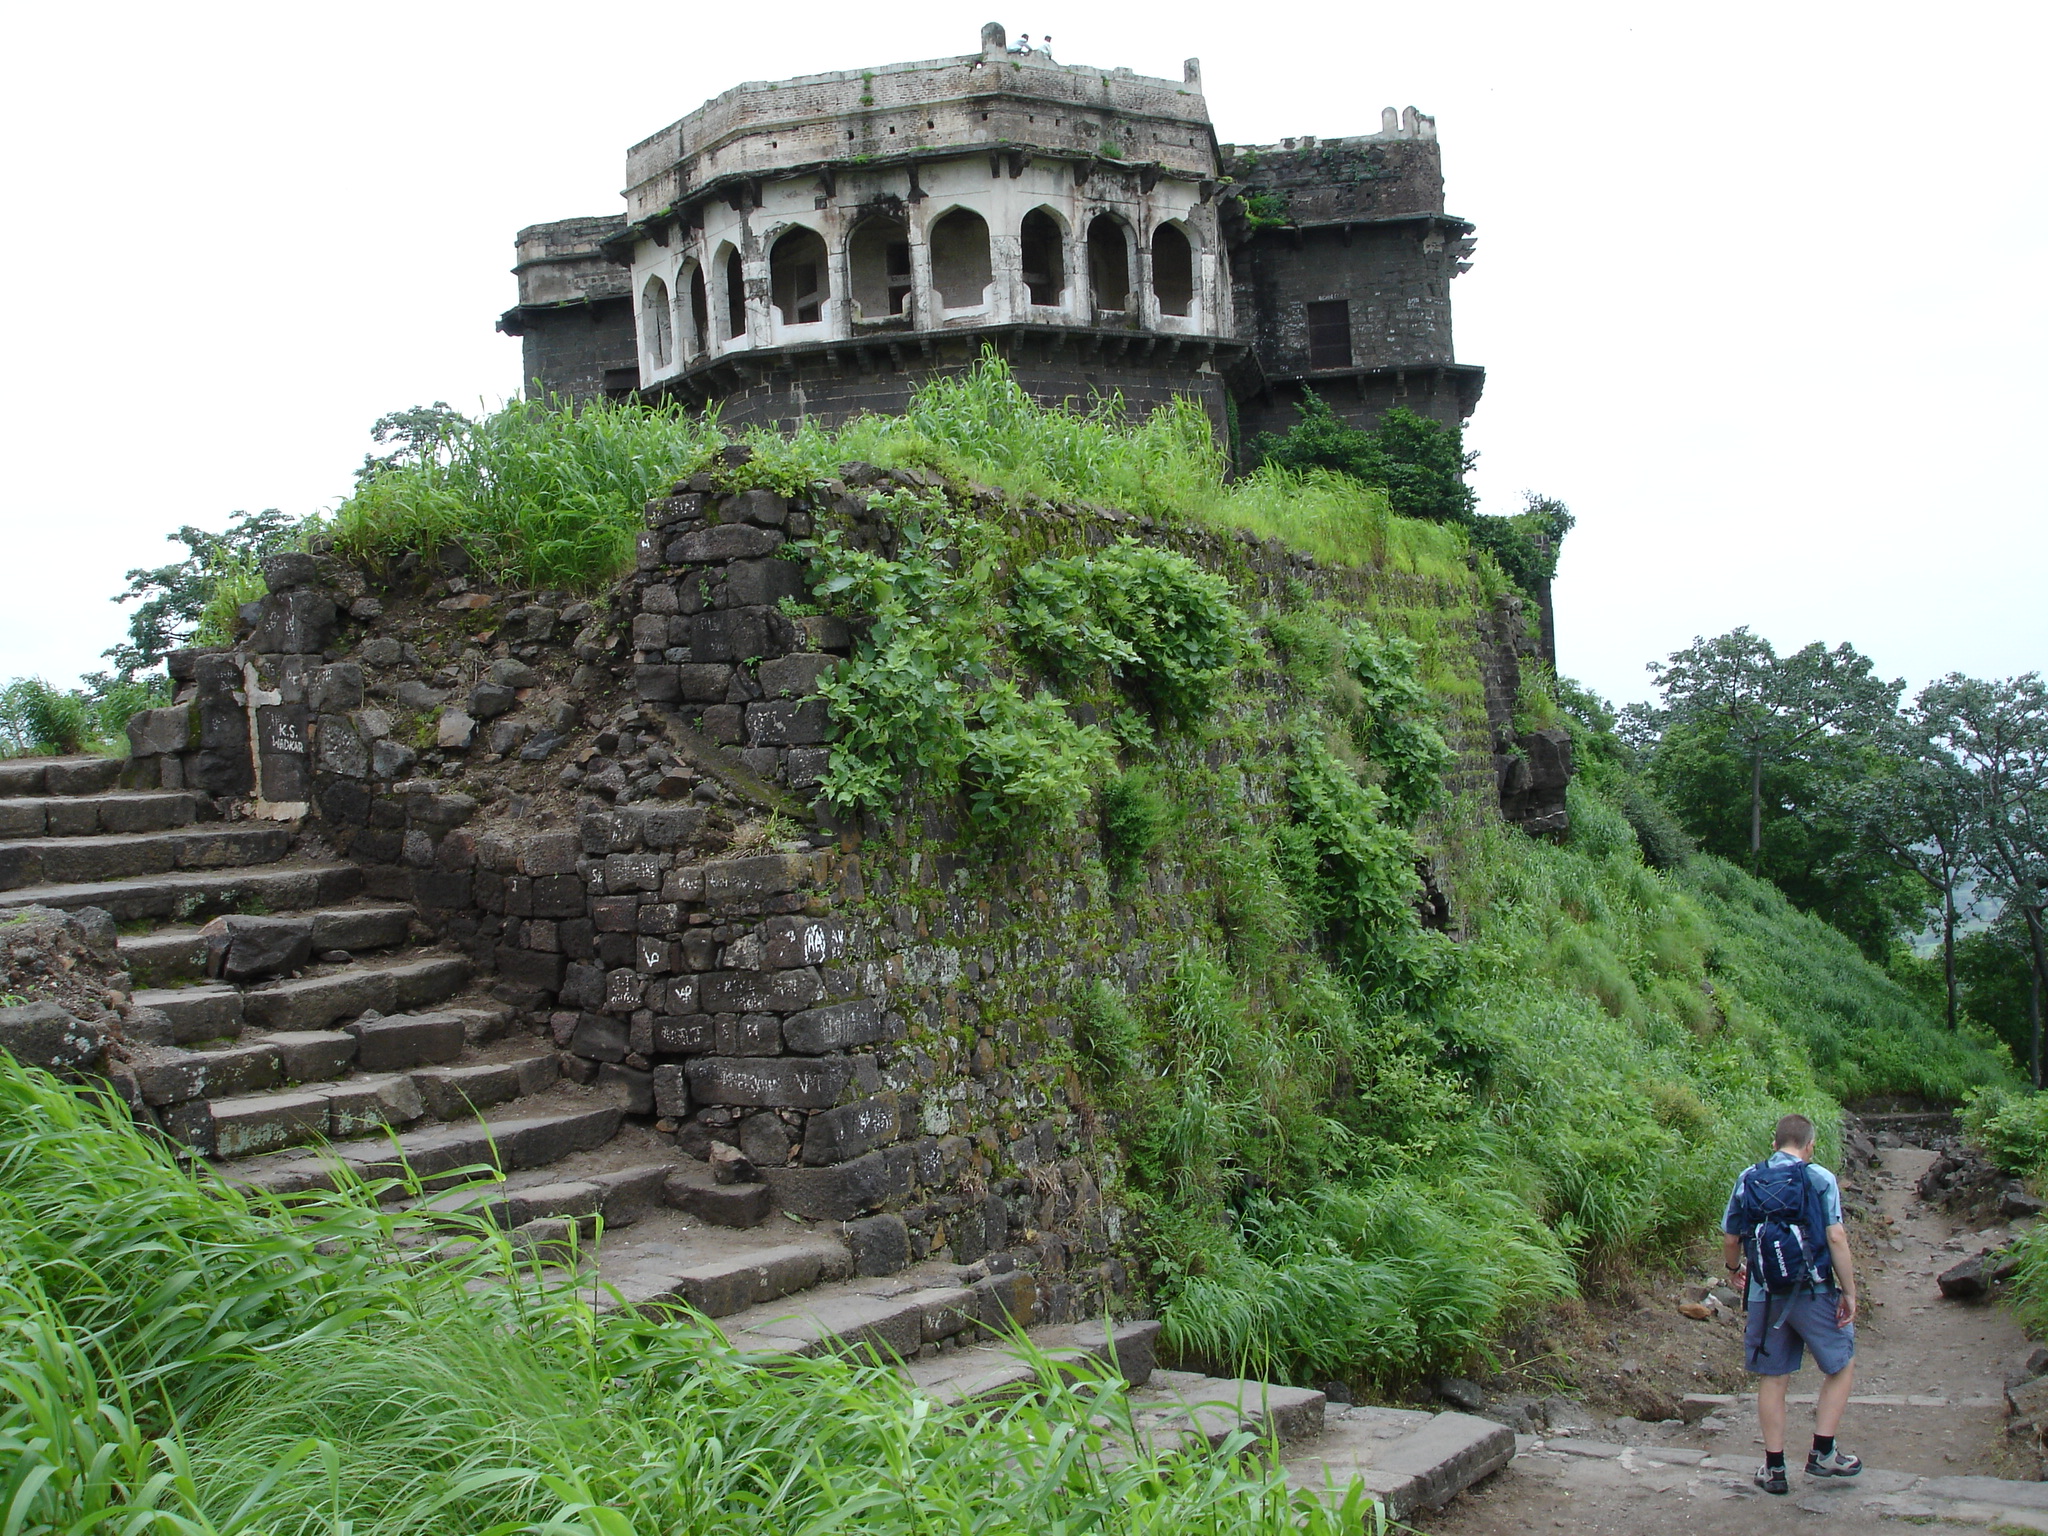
(1781, 1328)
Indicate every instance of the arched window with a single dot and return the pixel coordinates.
(1109, 264)
(796, 276)
(700, 313)
(735, 295)
(657, 335)
(1043, 246)
(1173, 270)
(879, 256)
(960, 263)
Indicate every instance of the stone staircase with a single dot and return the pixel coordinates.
(381, 1058)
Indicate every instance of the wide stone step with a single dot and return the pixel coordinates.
(315, 1002)
(247, 1125)
(717, 1284)
(450, 1093)
(897, 1319)
(192, 896)
(60, 860)
(179, 954)
(620, 1197)
(85, 775)
(211, 1012)
(147, 810)
(995, 1371)
(1407, 1460)
(519, 1138)
(1185, 1404)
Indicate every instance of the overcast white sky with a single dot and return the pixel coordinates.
(1759, 287)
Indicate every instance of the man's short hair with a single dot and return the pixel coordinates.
(1794, 1131)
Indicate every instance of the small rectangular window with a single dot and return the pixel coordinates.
(1329, 334)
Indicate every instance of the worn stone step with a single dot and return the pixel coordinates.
(400, 1042)
(1407, 1460)
(82, 775)
(721, 1287)
(692, 1190)
(896, 1318)
(620, 1197)
(209, 1012)
(521, 1138)
(1210, 1408)
(142, 810)
(452, 1092)
(60, 860)
(191, 896)
(247, 1125)
(999, 1370)
(314, 1002)
(179, 954)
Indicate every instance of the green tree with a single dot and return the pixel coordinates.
(1914, 810)
(1768, 709)
(171, 598)
(1998, 732)
(1995, 969)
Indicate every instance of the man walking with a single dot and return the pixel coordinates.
(1783, 1239)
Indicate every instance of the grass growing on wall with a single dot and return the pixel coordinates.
(543, 495)
(176, 1359)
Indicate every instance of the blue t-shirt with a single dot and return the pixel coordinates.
(1830, 1200)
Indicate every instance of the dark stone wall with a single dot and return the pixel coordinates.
(577, 351)
(831, 385)
(1396, 279)
(1329, 180)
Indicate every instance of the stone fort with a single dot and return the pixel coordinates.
(818, 247)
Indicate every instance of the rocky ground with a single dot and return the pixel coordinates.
(1928, 1416)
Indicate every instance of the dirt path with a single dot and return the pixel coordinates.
(1927, 1403)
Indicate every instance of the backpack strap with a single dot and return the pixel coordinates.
(1817, 1216)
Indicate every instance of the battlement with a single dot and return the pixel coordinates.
(1395, 173)
(988, 100)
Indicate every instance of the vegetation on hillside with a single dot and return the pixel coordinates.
(176, 1358)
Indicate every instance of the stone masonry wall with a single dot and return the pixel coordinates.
(607, 806)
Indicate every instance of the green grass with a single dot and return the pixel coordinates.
(543, 495)
(37, 719)
(177, 1359)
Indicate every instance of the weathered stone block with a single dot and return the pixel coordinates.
(702, 683)
(244, 1127)
(785, 724)
(655, 683)
(44, 1035)
(671, 1092)
(771, 1083)
(532, 968)
(240, 948)
(795, 676)
(842, 1134)
(312, 1055)
(600, 1038)
(757, 583)
(628, 872)
(837, 1027)
(362, 1105)
(723, 541)
(746, 1034)
(295, 623)
(406, 1040)
(880, 1245)
(690, 1034)
(736, 883)
(177, 1077)
(634, 1087)
(840, 1193)
(153, 731)
(723, 1205)
(760, 991)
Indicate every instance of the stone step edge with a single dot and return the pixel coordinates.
(447, 1146)
(1423, 1469)
(135, 945)
(140, 897)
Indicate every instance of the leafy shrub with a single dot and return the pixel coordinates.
(1149, 616)
(2011, 1125)
(1419, 463)
(1599, 830)
(1526, 545)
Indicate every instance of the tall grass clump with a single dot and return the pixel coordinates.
(536, 492)
(177, 1358)
(542, 493)
(39, 719)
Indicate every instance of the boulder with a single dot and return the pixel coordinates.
(240, 948)
(1965, 1281)
(2014, 1204)
(729, 1165)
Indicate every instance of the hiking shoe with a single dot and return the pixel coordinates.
(1834, 1464)
(1772, 1480)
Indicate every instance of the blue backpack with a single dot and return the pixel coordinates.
(1785, 1229)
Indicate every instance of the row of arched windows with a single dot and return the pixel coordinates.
(879, 275)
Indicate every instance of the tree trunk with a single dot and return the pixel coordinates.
(2040, 970)
(1948, 949)
(1756, 808)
